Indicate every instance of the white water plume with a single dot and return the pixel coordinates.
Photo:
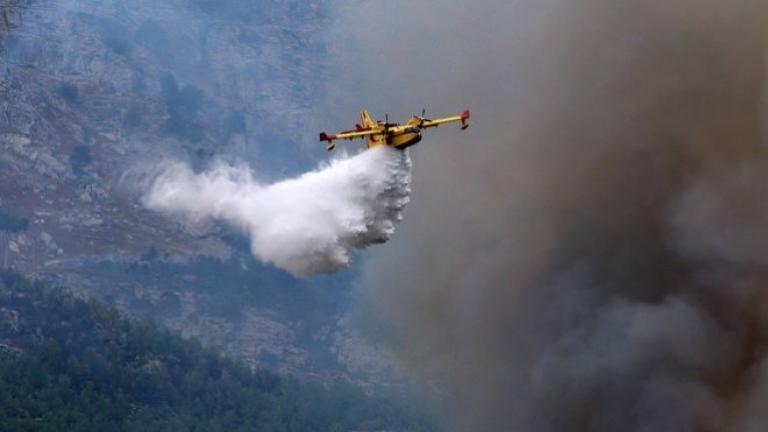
(306, 225)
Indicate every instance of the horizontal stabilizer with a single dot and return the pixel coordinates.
(325, 137)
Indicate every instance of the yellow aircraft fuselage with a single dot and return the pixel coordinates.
(399, 136)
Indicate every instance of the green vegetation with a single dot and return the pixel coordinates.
(80, 158)
(69, 92)
(184, 105)
(12, 223)
(231, 9)
(71, 364)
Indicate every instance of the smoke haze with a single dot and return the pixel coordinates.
(591, 254)
(306, 225)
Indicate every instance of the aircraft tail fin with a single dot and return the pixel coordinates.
(367, 120)
(329, 138)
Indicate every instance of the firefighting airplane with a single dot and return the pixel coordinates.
(399, 136)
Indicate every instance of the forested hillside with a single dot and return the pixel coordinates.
(71, 364)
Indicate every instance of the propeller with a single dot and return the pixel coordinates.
(386, 129)
(423, 117)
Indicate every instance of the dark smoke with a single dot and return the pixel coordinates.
(593, 254)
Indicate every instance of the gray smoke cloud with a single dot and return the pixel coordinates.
(591, 254)
(306, 225)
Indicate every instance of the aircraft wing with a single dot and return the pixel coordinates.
(463, 118)
(349, 135)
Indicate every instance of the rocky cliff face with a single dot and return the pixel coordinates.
(92, 92)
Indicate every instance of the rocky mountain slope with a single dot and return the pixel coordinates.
(93, 93)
